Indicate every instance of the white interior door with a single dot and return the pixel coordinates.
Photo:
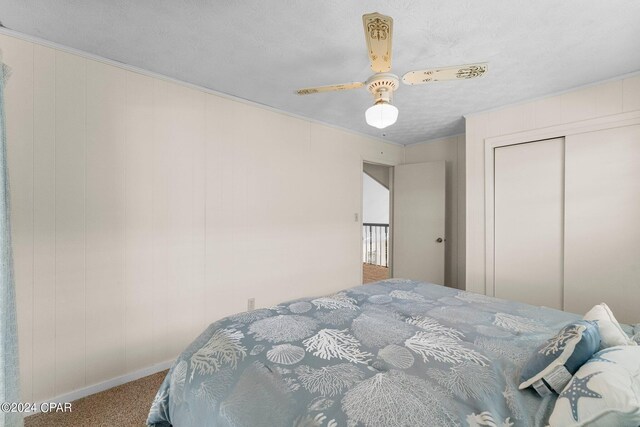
(602, 229)
(418, 221)
(528, 222)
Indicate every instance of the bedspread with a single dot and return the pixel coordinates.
(393, 353)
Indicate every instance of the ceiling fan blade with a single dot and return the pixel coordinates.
(331, 88)
(378, 31)
(460, 72)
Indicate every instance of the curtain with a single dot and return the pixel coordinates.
(9, 377)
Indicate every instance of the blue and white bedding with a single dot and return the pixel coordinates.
(394, 353)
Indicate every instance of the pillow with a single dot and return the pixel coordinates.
(551, 366)
(604, 392)
(627, 329)
(611, 332)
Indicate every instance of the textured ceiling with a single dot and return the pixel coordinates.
(262, 50)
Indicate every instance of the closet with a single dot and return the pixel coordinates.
(566, 222)
(529, 199)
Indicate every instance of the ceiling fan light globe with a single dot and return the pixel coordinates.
(381, 115)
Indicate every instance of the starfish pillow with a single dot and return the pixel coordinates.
(604, 392)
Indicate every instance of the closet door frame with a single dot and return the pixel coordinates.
(559, 131)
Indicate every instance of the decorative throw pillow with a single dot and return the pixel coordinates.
(604, 392)
(551, 366)
(611, 332)
(628, 329)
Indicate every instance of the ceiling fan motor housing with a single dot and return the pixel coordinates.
(382, 86)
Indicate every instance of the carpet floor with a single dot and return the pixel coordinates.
(126, 405)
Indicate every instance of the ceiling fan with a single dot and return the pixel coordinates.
(378, 31)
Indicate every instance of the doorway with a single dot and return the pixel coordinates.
(376, 219)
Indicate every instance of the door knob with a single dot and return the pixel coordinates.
(439, 240)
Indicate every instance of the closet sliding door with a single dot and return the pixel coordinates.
(528, 222)
(602, 226)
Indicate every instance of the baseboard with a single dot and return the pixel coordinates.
(105, 385)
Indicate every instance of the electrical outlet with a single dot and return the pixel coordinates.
(251, 304)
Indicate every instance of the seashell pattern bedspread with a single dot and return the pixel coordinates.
(393, 353)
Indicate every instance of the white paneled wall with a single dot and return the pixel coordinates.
(144, 209)
(531, 119)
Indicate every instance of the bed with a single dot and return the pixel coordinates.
(393, 353)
